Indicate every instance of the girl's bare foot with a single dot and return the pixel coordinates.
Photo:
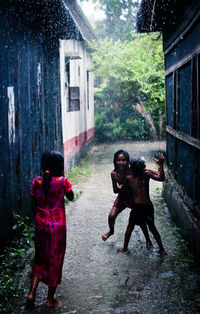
(162, 252)
(149, 245)
(122, 251)
(106, 235)
(53, 303)
(30, 300)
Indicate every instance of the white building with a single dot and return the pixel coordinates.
(77, 96)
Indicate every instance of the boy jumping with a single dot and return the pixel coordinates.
(142, 207)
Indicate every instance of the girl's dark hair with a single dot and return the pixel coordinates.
(137, 165)
(52, 164)
(119, 152)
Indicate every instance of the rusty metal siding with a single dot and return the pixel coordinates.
(30, 113)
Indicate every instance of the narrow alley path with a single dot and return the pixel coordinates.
(97, 279)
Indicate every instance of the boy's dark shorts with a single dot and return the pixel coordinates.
(121, 204)
(141, 213)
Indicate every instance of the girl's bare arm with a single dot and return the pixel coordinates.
(70, 195)
(116, 187)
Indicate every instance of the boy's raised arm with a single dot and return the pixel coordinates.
(160, 175)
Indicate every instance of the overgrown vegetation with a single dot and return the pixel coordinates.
(185, 256)
(130, 97)
(76, 196)
(129, 67)
(81, 173)
(12, 263)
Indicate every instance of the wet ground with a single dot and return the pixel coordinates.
(97, 279)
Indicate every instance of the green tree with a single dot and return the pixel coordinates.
(115, 117)
(120, 18)
(134, 72)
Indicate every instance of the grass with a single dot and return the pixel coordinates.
(184, 254)
(81, 173)
(76, 196)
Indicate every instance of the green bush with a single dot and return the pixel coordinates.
(129, 129)
(12, 262)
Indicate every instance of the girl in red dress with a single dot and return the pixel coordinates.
(47, 194)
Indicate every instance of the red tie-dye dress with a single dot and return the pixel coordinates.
(50, 229)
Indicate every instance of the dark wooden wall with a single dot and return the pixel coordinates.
(182, 69)
(29, 65)
(179, 22)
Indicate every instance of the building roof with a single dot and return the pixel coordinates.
(164, 15)
(60, 18)
(80, 19)
(153, 15)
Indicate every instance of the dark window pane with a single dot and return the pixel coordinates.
(184, 123)
(169, 100)
(198, 180)
(74, 98)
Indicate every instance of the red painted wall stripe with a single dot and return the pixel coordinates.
(74, 145)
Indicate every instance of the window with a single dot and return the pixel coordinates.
(88, 89)
(195, 128)
(184, 99)
(72, 92)
(74, 98)
(67, 69)
(169, 100)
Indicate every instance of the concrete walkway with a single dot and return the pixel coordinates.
(97, 279)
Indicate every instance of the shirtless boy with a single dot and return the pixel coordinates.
(142, 207)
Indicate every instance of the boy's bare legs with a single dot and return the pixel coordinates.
(127, 236)
(157, 237)
(146, 234)
(111, 222)
(51, 302)
(31, 296)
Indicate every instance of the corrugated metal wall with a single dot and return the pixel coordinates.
(30, 112)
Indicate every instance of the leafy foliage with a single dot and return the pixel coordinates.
(12, 262)
(76, 196)
(131, 72)
(139, 62)
(115, 117)
(120, 19)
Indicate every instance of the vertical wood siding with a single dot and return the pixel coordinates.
(30, 113)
